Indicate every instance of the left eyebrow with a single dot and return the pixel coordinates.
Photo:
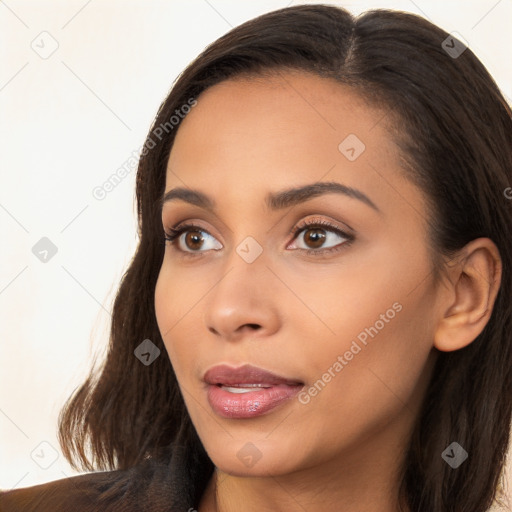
(277, 201)
(298, 195)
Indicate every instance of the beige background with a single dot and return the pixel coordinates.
(67, 123)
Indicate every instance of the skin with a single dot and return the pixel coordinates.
(293, 313)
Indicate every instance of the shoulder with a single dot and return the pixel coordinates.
(156, 485)
(87, 492)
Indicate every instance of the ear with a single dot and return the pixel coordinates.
(474, 281)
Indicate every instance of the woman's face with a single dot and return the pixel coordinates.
(329, 289)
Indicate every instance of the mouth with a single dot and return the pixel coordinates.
(247, 391)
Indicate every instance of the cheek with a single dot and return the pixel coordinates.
(163, 309)
(176, 303)
(370, 387)
(176, 296)
(377, 362)
(380, 339)
(169, 308)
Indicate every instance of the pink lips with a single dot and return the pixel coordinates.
(247, 391)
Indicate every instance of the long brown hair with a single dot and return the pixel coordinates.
(454, 131)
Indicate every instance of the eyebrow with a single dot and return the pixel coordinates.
(274, 201)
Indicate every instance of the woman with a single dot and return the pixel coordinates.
(318, 314)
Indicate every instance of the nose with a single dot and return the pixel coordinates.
(243, 302)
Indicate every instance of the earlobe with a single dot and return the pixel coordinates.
(474, 285)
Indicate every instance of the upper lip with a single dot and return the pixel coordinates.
(246, 374)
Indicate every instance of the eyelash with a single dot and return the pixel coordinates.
(175, 233)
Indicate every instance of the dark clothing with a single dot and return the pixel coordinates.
(173, 482)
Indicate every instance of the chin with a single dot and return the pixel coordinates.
(256, 458)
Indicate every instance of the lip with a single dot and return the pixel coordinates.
(270, 390)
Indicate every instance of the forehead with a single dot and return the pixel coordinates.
(285, 111)
(248, 136)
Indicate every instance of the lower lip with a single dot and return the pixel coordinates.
(251, 404)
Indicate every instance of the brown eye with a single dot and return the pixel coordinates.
(193, 240)
(315, 237)
(312, 237)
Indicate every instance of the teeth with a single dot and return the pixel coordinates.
(244, 388)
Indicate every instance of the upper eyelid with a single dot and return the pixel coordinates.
(296, 227)
(295, 230)
(322, 223)
(304, 213)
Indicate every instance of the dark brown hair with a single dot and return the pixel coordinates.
(454, 131)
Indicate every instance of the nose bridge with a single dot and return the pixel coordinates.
(243, 295)
(244, 281)
(246, 265)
